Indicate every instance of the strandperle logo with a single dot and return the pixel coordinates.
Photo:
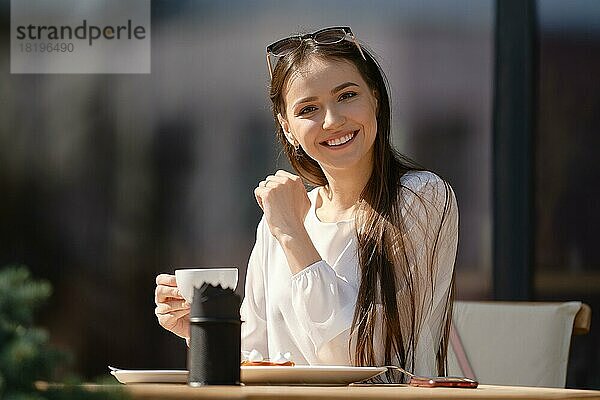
(80, 36)
(83, 31)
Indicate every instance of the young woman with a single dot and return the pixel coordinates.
(359, 270)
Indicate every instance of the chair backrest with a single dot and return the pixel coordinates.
(516, 343)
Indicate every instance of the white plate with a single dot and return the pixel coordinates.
(309, 375)
(299, 374)
(150, 376)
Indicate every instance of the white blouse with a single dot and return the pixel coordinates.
(310, 313)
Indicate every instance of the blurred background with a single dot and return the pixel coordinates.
(108, 180)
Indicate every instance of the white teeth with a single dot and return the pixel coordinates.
(342, 140)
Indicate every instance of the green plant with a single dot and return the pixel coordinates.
(26, 356)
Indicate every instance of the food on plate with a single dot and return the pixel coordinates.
(266, 363)
(255, 359)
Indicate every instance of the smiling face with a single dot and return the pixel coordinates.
(331, 112)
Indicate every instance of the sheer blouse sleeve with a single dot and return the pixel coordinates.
(323, 303)
(431, 226)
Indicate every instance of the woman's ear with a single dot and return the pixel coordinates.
(286, 129)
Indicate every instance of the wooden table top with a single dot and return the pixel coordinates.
(182, 391)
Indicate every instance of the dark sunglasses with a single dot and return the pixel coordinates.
(332, 35)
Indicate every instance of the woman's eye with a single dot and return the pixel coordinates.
(347, 95)
(306, 110)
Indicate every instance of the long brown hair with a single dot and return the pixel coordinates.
(384, 251)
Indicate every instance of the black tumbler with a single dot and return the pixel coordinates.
(215, 343)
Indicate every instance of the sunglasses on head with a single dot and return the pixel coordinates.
(332, 35)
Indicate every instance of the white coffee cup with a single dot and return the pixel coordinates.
(188, 279)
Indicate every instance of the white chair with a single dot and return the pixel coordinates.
(515, 343)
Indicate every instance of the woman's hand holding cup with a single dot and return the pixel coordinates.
(172, 310)
(173, 294)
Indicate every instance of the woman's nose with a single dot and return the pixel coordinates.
(333, 118)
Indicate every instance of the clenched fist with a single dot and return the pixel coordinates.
(285, 203)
